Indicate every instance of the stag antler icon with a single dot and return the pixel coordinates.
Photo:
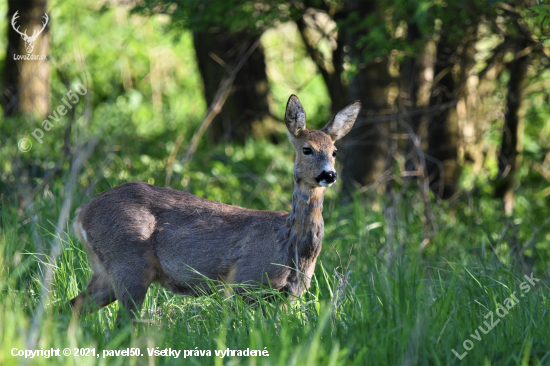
(29, 41)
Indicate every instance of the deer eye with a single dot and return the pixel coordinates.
(335, 153)
(307, 151)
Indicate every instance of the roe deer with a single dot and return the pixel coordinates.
(137, 234)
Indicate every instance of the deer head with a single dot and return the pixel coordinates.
(315, 150)
(29, 41)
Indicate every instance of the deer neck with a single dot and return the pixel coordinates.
(305, 221)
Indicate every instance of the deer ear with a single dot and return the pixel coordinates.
(342, 123)
(295, 116)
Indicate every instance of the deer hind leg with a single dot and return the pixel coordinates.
(98, 293)
(131, 293)
(132, 282)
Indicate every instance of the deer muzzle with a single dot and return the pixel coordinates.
(326, 178)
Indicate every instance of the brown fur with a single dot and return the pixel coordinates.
(138, 234)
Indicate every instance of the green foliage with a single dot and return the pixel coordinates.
(389, 26)
(235, 15)
(539, 15)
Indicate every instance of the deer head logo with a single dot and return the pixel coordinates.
(29, 41)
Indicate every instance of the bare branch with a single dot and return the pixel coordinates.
(57, 247)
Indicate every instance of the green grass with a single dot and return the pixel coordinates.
(411, 310)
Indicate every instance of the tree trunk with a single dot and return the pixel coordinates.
(27, 82)
(366, 146)
(508, 157)
(442, 164)
(246, 109)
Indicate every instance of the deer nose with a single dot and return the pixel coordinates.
(330, 177)
(326, 177)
